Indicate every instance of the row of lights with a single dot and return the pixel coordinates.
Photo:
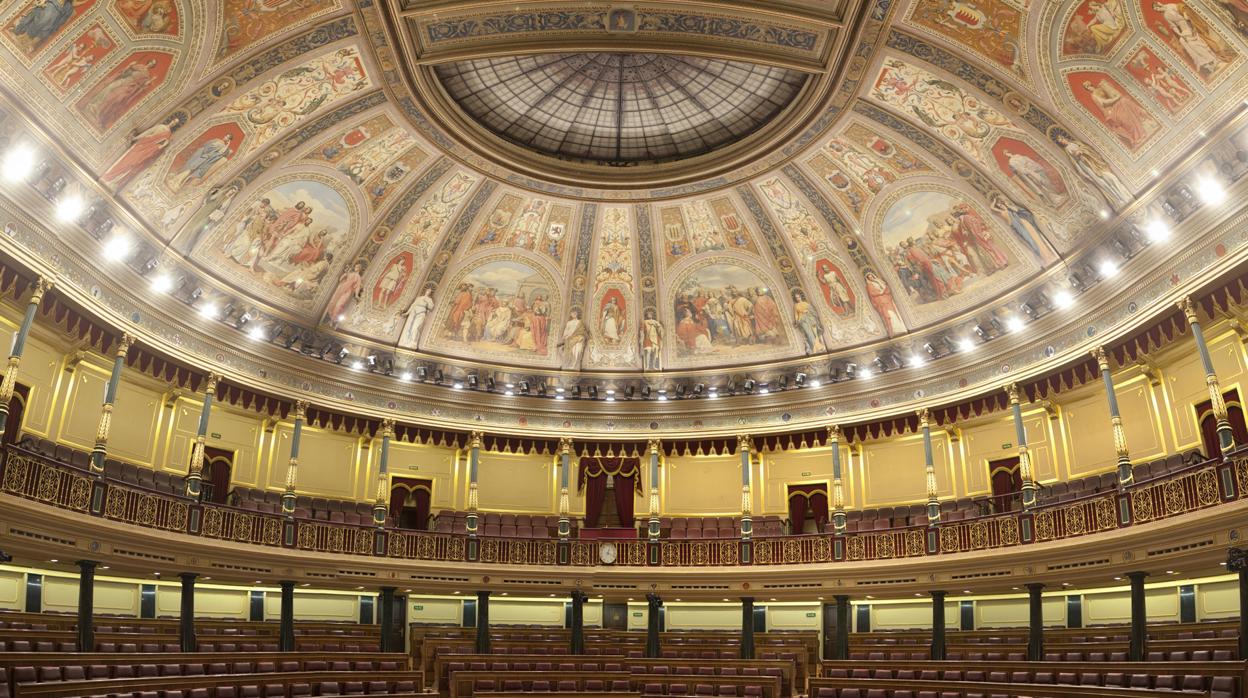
(20, 162)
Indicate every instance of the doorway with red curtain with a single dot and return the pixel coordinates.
(218, 467)
(1209, 424)
(625, 474)
(17, 407)
(1007, 483)
(808, 507)
(410, 499)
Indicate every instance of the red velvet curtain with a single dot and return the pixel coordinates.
(219, 475)
(1209, 425)
(807, 499)
(818, 505)
(595, 492)
(409, 503)
(624, 487)
(1007, 483)
(797, 512)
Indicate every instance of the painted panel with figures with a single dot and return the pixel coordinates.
(504, 306)
(614, 343)
(703, 225)
(995, 29)
(36, 24)
(287, 241)
(722, 309)
(860, 162)
(377, 155)
(243, 24)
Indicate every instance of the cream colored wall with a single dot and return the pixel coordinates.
(12, 590)
(320, 606)
(156, 425)
(435, 610)
(794, 616)
(701, 486)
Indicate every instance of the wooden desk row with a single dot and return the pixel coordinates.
(68, 689)
(462, 683)
(789, 681)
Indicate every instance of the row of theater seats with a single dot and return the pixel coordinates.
(150, 647)
(718, 527)
(573, 666)
(315, 508)
(73, 672)
(500, 525)
(616, 686)
(1059, 492)
(1170, 656)
(912, 515)
(1215, 686)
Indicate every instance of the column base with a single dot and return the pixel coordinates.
(194, 485)
(838, 523)
(1126, 477)
(288, 503)
(1226, 439)
(1029, 495)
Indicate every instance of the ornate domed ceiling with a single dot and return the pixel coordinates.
(619, 108)
(798, 183)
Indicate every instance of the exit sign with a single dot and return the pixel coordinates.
(810, 614)
(1005, 446)
(215, 435)
(636, 614)
(418, 607)
(806, 474)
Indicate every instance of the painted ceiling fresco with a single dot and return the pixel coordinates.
(263, 145)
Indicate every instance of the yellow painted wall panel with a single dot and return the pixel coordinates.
(997, 613)
(983, 443)
(1217, 600)
(1140, 419)
(210, 602)
(702, 486)
(813, 466)
(433, 463)
(702, 617)
(894, 470)
(227, 429)
(12, 590)
(917, 615)
(795, 617)
(41, 368)
(505, 611)
(312, 606)
(135, 416)
(327, 462)
(516, 482)
(60, 594)
(439, 611)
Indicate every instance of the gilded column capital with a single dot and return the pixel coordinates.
(42, 286)
(123, 347)
(1102, 360)
(654, 447)
(565, 445)
(211, 386)
(475, 439)
(387, 428)
(925, 418)
(1189, 309)
(1013, 391)
(744, 443)
(301, 410)
(834, 434)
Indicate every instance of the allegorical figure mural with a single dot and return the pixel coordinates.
(724, 308)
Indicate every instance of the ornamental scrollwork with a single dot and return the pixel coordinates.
(115, 504)
(212, 522)
(15, 473)
(1044, 526)
(1176, 502)
(1207, 488)
(728, 552)
(916, 543)
(950, 541)
(1076, 520)
(1106, 516)
(823, 549)
(979, 535)
(272, 532)
(855, 548)
(1142, 506)
(1009, 530)
(49, 482)
(79, 493)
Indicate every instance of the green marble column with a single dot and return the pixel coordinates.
(292, 469)
(100, 450)
(195, 473)
(19, 345)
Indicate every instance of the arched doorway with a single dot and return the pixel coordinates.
(808, 508)
(218, 469)
(409, 503)
(1209, 424)
(17, 408)
(1007, 483)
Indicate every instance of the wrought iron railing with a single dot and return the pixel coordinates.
(37, 478)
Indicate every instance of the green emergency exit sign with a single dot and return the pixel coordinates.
(418, 607)
(636, 614)
(810, 614)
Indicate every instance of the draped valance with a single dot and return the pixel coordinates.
(591, 467)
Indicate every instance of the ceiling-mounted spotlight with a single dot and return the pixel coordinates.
(290, 340)
(387, 366)
(879, 364)
(1122, 248)
(1029, 310)
(524, 387)
(593, 392)
(195, 294)
(541, 390)
(698, 389)
(981, 332)
(799, 380)
(242, 320)
(748, 386)
(422, 373)
(630, 392)
(489, 383)
(437, 376)
(372, 362)
(576, 391)
(931, 350)
(851, 370)
(342, 354)
(996, 326)
(645, 392)
(1075, 281)
(472, 382)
